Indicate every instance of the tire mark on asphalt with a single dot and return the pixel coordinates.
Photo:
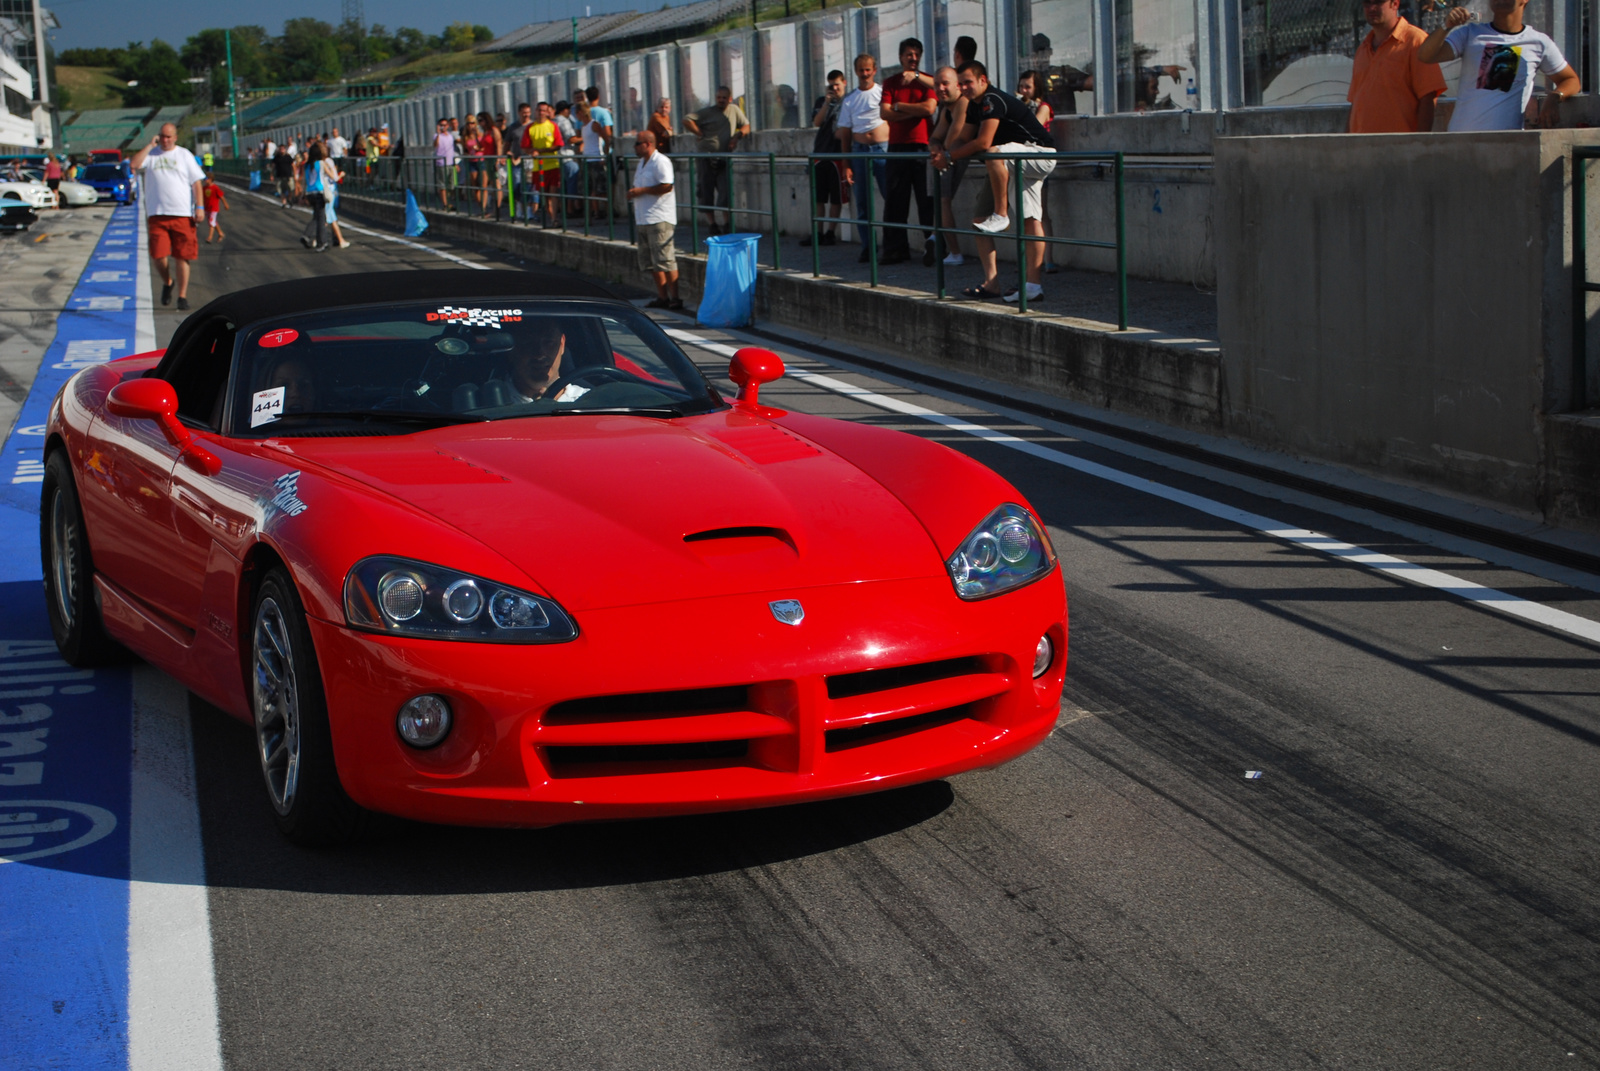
(1443, 879)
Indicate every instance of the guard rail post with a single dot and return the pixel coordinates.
(1122, 253)
(872, 233)
(694, 214)
(941, 248)
(609, 193)
(772, 189)
(1581, 286)
(811, 213)
(1020, 210)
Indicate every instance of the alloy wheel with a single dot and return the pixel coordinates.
(277, 705)
(63, 551)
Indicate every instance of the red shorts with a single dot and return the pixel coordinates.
(173, 236)
(548, 181)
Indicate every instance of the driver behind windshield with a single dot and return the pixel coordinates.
(537, 364)
(299, 388)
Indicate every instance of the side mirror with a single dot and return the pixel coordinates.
(751, 367)
(154, 399)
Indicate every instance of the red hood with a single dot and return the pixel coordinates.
(596, 509)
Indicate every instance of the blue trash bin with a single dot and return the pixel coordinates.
(730, 292)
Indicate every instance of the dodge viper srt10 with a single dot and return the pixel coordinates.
(487, 548)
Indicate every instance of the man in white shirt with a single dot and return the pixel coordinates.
(861, 129)
(655, 218)
(338, 147)
(173, 205)
(1499, 60)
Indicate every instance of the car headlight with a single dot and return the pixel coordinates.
(412, 598)
(1006, 551)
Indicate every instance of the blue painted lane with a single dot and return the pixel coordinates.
(65, 739)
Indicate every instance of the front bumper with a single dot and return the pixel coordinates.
(700, 705)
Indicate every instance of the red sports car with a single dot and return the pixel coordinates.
(487, 548)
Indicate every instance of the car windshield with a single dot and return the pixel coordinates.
(102, 172)
(398, 368)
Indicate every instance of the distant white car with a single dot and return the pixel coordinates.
(36, 194)
(73, 194)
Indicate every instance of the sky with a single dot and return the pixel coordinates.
(112, 23)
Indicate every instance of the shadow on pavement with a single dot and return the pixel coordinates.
(244, 850)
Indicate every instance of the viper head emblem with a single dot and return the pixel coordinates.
(789, 611)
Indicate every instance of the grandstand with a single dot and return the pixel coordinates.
(670, 23)
(104, 128)
(557, 33)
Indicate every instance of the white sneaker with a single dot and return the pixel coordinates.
(993, 225)
(955, 260)
(345, 245)
(1035, 292)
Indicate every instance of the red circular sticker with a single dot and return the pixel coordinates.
(281, 337)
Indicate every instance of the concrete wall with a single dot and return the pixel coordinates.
(1401, 302)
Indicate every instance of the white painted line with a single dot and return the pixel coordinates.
(144, 319)
(172, 986)
(463, 261)
(1398, 568)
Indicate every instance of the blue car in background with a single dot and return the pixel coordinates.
(110, 181)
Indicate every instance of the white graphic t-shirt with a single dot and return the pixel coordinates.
(1497, 71)
(169, 178)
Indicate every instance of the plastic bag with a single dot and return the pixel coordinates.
(255, 180)
(730, 292)
(416, 222)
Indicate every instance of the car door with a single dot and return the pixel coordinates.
(126, 495)
(204, 509)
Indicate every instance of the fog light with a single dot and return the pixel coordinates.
(1043, 655)
(424, 720)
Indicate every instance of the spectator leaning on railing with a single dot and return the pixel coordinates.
(908, 104)
(542, 143)
(1392, 91)
(862, 130)
(444, 161)
(1498, 63)
(949, 126)
(1001, 125)
(596, 141)
(828, 173)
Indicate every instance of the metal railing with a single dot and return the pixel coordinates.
(495, 188)
(1581, 286)
(871, 160)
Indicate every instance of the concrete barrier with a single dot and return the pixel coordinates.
(1401, 303)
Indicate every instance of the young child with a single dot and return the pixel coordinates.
(215, 200)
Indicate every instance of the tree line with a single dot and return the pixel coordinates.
(308, 51)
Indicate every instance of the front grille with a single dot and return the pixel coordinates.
(563, 757)
(636, 705)
(879, 731)
(847, 685)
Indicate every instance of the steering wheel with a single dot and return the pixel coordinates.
(587, 377)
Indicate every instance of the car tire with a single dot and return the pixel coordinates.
(294, 743)
(69, 594)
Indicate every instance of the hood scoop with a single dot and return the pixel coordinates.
(742, 539)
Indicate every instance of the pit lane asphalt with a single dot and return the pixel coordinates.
(1410, 884)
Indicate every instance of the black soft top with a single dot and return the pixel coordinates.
(320, 292)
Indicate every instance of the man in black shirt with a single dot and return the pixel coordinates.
(283, 174)
(1001, 125)
(824, 116)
